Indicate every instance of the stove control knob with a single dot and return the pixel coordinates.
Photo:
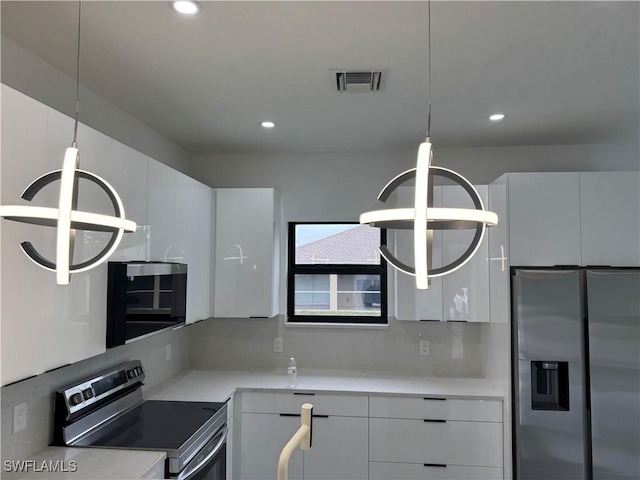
(76, 399)
(139, 370)
(87, 394)
(130, 374)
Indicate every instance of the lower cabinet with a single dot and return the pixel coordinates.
(339, 440)
(263, 435)
(418, 471)
(435, 438)
(377, 437)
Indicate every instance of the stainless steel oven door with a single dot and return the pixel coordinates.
(210, 463)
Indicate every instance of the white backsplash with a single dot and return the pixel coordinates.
(247, 344)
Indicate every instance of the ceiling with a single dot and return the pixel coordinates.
(563, 72)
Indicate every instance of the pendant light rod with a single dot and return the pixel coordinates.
(429, 67)
(75, 127)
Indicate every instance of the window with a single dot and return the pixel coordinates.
(336, 274)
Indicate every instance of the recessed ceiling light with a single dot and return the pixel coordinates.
(496, 117)
(267, 124)
(186, 7)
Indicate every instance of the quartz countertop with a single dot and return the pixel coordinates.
(218, 386)
(58, 463)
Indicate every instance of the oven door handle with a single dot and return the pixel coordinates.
(185, 475)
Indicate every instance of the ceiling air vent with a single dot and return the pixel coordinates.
(358, 81)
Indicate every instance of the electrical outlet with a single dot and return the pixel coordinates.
(278, 344)
(19, 417)
(167, 352)
(424, 347)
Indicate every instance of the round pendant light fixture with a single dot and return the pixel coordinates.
(66, 218)
(424, 218)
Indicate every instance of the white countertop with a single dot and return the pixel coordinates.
(84, 463)
(218, 386)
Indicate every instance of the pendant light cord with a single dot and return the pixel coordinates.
(75, 127)
(429, 66)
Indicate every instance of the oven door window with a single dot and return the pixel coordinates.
(210, 463)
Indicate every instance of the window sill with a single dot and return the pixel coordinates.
(374, 326)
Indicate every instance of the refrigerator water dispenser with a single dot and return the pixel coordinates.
(550, 385)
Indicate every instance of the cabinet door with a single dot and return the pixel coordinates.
(193, 242)
(411, 303)
(245, 253)
(610, 218)
(544, 219)
(440, 442)
(465, 292)
(499, 278)
(24, 154)
(339, 450)
(417, 471)
(262, 437)
(75, 313)
(161, 213)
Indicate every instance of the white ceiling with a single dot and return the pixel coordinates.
(564, 72)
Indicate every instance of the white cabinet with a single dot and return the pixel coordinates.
(499, 272)
(411, 303)
(193, 242)
(24, 153)
(416, 471)
(465, 292)
(610, 218)
(339, 450)
(435, 438)
(246, 252)
(44, 325)
(161, 213)
(263, 435)
(179, 222)
(460, 296)
(544, 219)
(339, 444)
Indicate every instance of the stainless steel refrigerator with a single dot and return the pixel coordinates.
(576, 373)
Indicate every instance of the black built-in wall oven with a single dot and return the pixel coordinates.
(144, 298)
(107, 410)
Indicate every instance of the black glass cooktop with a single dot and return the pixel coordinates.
(155, 424)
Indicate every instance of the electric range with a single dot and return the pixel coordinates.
(107, 410)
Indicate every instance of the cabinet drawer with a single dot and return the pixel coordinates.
(436, 409)
(323, 404)
(417, 471)
(444, 442)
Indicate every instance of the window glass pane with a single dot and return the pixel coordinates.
(336, 294)
(321, 244)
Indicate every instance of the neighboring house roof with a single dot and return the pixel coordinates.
(358, 245)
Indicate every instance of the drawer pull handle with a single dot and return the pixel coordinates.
(289, 414)
(320, 416)
(442, 465)
(302, 393)
(434, 398)
(430, 420)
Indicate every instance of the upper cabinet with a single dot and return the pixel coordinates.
(45, 325)
(411, 303)
(610, 218)
(544, 218)
(246, 262)
(561, 219)
(572, 218)
(462, 295)
(193, 242)
(179, 217)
